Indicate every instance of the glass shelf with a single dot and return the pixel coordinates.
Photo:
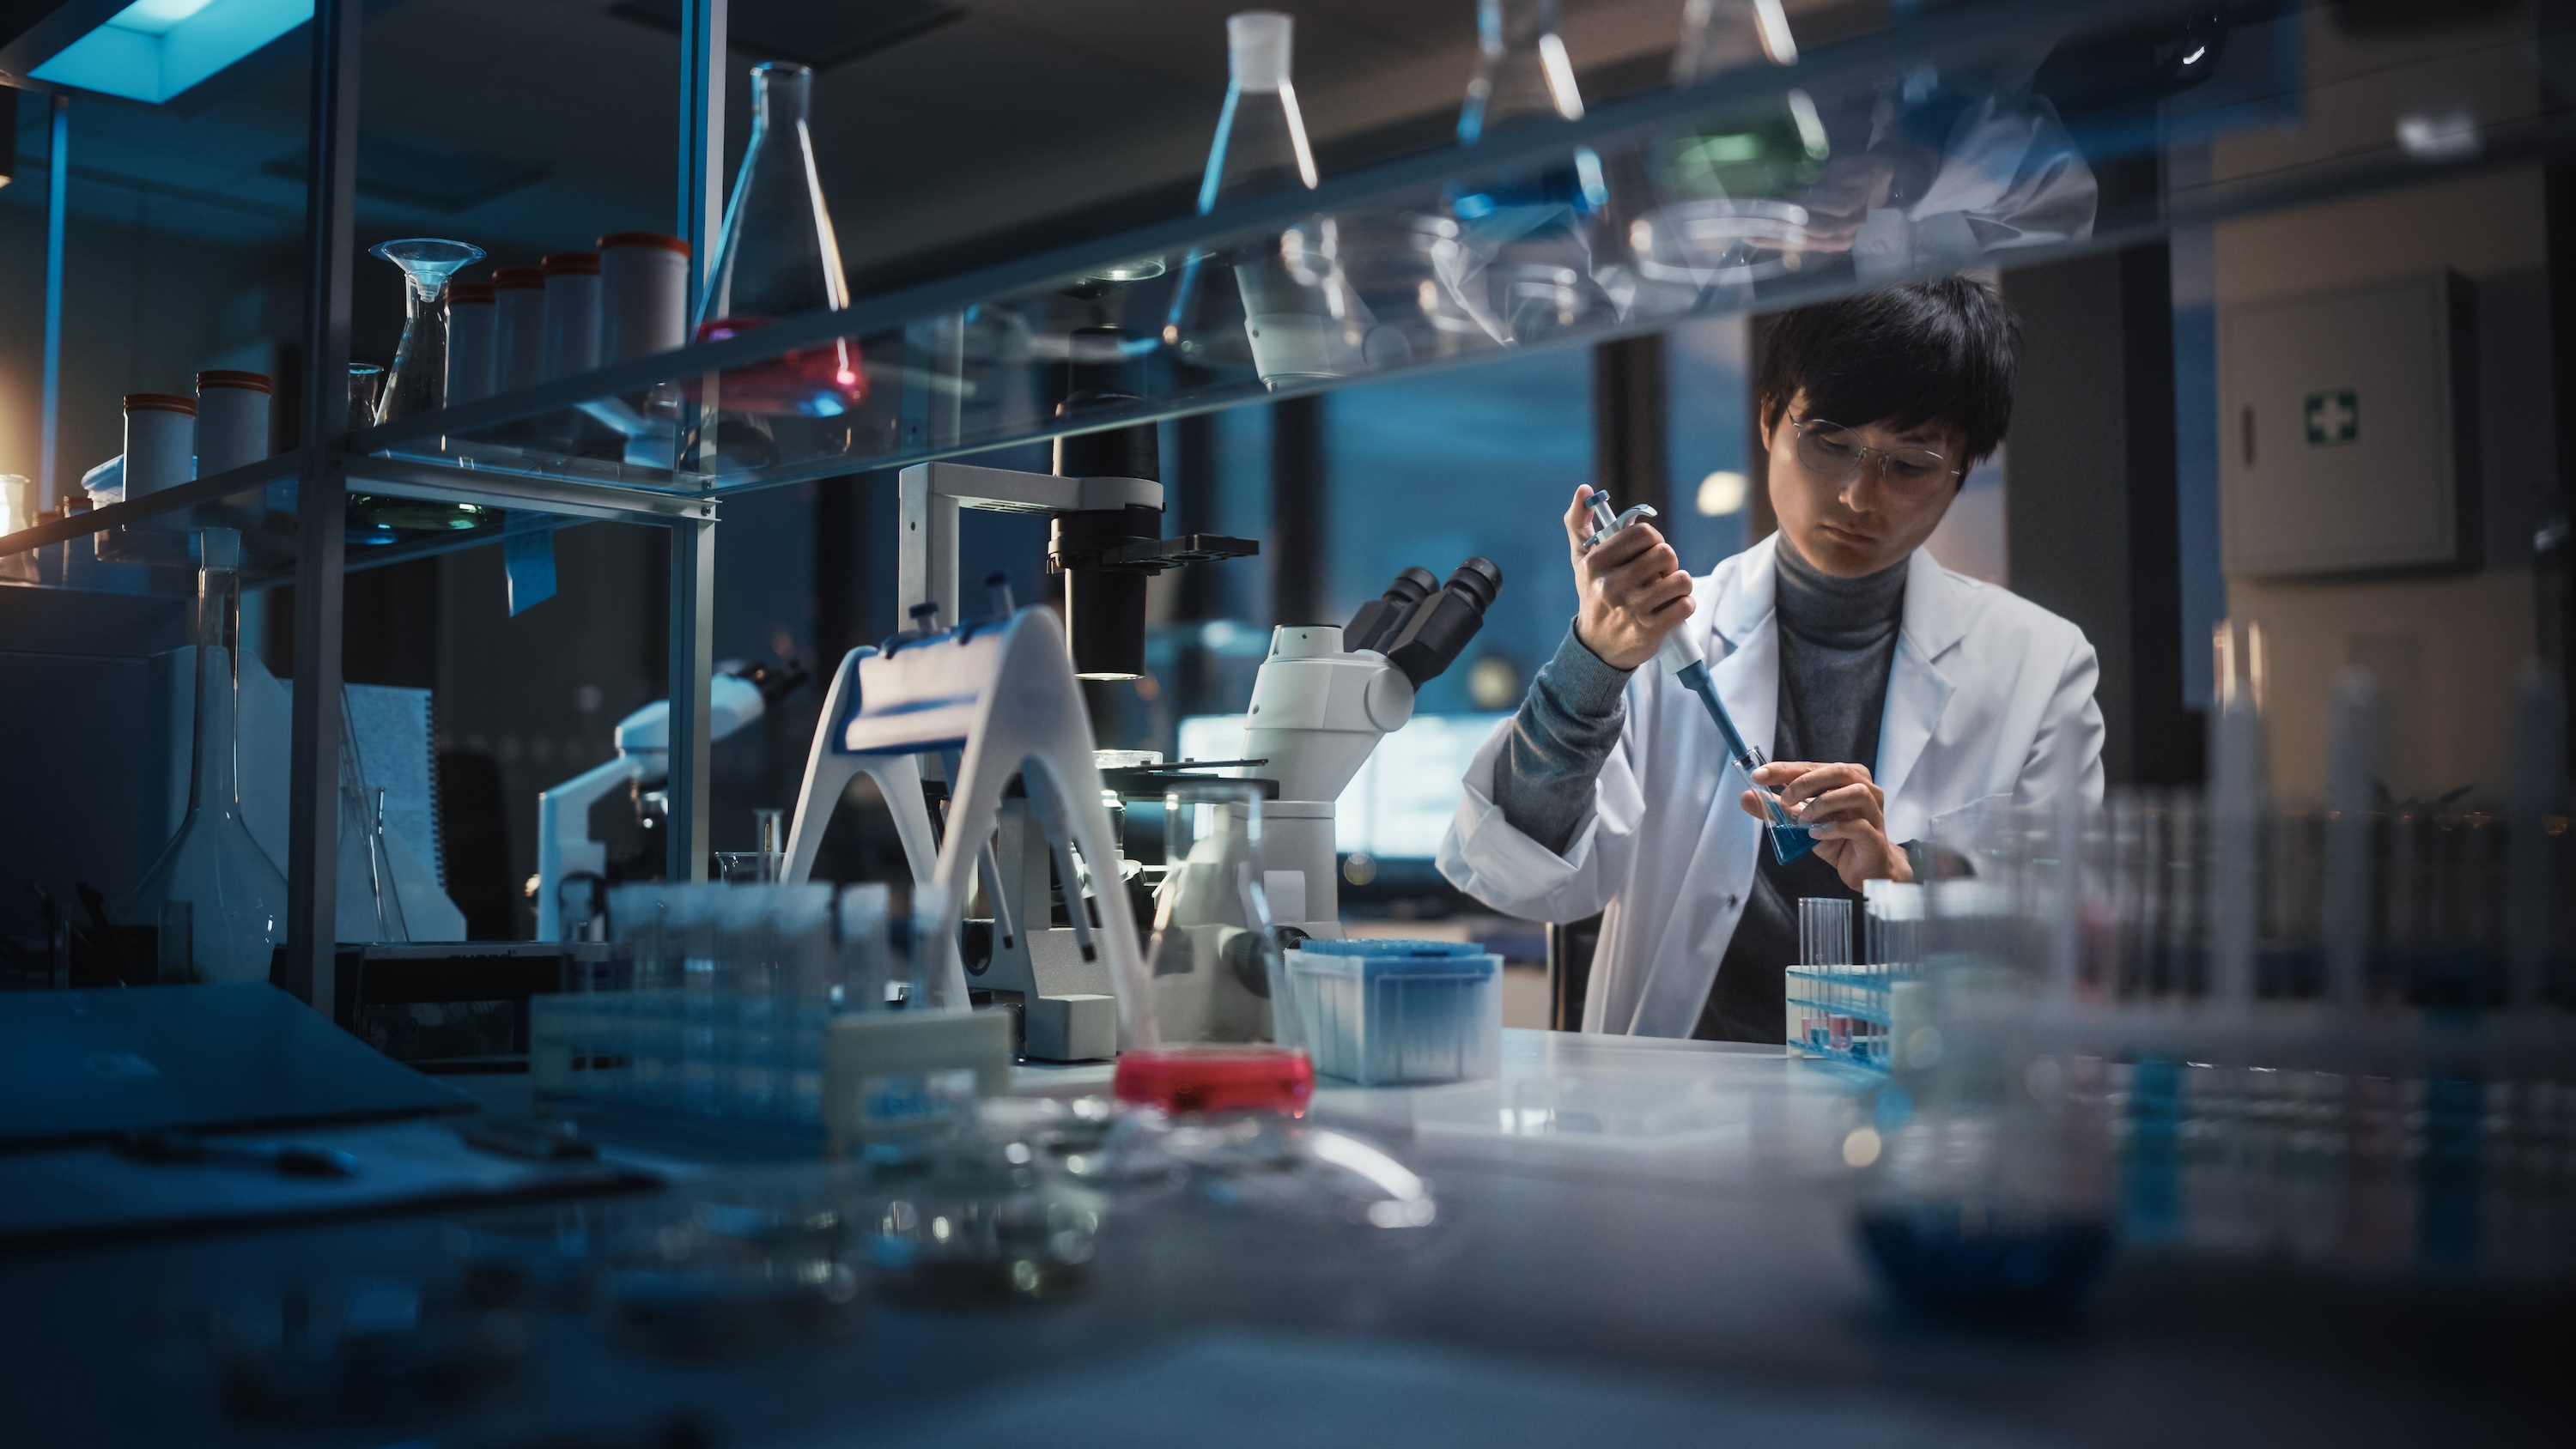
(1891, 154)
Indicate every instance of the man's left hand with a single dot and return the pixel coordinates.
(1847, 810)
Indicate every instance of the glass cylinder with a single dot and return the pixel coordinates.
(1213, 960)
(222, 885)
(778, 258)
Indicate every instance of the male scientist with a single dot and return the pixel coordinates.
(1891, 691)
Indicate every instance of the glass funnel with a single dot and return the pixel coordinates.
(778, 258)
(213, 888)
(419, 381)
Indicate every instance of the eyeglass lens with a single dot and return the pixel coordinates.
(1837, 453)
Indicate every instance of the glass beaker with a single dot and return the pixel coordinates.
(778, 258)
(212, 882)
(1215, 965)
(379, 518)
(419, 381)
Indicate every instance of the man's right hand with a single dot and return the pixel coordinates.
(1632, 588)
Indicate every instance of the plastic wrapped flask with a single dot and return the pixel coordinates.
(778, 259)
(213, 888)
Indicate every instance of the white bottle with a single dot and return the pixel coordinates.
(473, 333)
(232, 420)
(643, 294)
(519, 343)
(160, 442)
(572, 313)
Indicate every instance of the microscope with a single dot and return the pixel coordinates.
(1105, 500)
(568, 860)
(1322, 701)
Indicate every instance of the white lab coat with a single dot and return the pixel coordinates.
(1987, 693)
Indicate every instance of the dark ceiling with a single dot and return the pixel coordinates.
(529, 126)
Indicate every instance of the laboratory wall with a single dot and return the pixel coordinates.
(2446, 645)
(145, 306)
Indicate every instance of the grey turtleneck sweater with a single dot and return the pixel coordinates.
(1837, 641)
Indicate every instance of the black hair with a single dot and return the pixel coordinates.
(1926, 352)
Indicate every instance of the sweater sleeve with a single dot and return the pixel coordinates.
(1564, 731)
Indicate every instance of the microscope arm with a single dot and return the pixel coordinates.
(564, 845)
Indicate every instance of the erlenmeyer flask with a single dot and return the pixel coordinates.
(1523, 267)
(1720, 35)
(1522, 72)
(419, 381)
(1260, 147)
(212, 883)
(1216, 967)
(1725, 218)
(778, 258)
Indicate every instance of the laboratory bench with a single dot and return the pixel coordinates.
(1636, 1241)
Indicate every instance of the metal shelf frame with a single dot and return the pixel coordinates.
(371, 459)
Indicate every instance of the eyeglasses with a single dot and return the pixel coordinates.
(1836, 454)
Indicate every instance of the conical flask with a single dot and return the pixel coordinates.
(779, 259)
(1260, 147)
(213, 885)
(1523, 267)
(1724, 215)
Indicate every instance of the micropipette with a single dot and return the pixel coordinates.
(1682, 658)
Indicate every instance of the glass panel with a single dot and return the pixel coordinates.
(1931, 145)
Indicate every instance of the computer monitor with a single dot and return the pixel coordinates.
(1401, 802)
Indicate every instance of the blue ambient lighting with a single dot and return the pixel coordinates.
(153, 50)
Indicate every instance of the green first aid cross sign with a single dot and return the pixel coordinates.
(2332, 417)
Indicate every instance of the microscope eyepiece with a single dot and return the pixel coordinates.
(1437, 629)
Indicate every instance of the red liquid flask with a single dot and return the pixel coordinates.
(823, 381)
(778, 259)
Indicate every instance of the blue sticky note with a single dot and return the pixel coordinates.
(528, 558)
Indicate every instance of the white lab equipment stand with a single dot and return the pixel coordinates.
(1317, 712)
(564, 846)
(1003, 692)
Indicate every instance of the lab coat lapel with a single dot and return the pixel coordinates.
(1917, 689)
(1744, 656)
(1748, 678)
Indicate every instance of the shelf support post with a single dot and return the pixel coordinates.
(693, 667)
(330, 240)
(703, 25)
(58, 200)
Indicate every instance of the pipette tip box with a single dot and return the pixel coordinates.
(1383, 1013)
